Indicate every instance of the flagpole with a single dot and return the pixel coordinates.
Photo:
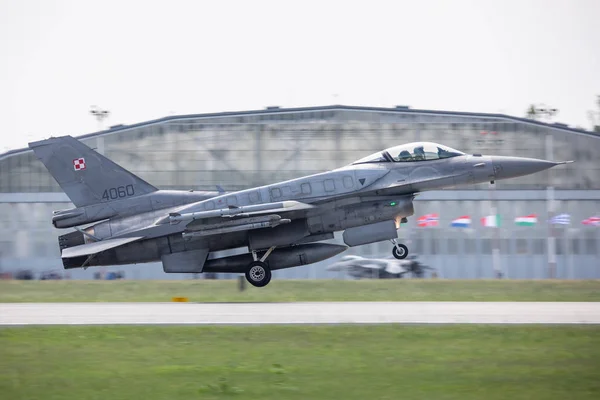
(550, 208)
(496, 241)
(569, 252)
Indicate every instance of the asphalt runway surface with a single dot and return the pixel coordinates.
(299, 313)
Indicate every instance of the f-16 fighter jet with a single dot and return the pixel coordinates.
(280, 224)
(379, 268)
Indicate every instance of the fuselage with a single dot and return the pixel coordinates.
(351, 196)
(371, 191)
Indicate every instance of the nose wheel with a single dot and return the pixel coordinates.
(399, 251)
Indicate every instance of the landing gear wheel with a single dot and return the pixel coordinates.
(258, 274)
(400, 251)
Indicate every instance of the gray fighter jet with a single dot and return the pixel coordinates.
(280, 224)
(379, 268)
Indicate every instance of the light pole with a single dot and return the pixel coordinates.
(100, 115)
(547, 113)
(494, 211)
(496, 241)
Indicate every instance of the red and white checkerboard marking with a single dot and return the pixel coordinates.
(79, 164)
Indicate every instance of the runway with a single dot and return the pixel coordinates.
(299, 313)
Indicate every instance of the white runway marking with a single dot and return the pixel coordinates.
(299, 313)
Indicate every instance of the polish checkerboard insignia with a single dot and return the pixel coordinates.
(79, 164)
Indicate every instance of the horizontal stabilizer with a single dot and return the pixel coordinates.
(96, 247)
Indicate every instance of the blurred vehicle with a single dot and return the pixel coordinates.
(109, 276)
(380, 268)
(24, 275)
(114, 275)
(50, 275)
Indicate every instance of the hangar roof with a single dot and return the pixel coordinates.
(277, 110)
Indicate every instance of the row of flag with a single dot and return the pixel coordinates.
(493, 221)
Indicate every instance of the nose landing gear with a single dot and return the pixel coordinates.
(399, 251)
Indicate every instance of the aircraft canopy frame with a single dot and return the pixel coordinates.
(410, 152)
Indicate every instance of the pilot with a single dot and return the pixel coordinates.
(419, 153)
(404, 156)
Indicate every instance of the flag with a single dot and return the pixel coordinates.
(461, 222)
(491, 221)
(428, 220)
(529, 220)
(592, 221)
(561, 219)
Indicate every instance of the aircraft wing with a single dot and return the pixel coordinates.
(96, 247)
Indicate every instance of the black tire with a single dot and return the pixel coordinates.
(258, 274)
(400, 254)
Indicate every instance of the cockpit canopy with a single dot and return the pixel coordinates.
(418, 151)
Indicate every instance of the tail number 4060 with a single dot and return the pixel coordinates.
(118, 192)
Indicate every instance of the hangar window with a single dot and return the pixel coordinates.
(522, 246)
(486, 246)
(470, 246)
(574, 247)
(453, 246)
(589, 246)
(418, 245)
(560, 246)
(538, 246)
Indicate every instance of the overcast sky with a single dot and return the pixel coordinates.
(144, 59)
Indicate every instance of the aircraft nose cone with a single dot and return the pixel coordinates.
(511, 167)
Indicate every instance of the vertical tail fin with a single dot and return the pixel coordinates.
(85, 175)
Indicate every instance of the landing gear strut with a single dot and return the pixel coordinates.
(399, 251)
(258, 272)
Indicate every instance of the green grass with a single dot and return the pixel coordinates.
(301, 362)
(300, 290)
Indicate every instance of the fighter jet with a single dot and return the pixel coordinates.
(281, 225)
(379, 268)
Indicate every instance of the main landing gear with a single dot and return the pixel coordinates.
(399, 251)
(258, 272)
